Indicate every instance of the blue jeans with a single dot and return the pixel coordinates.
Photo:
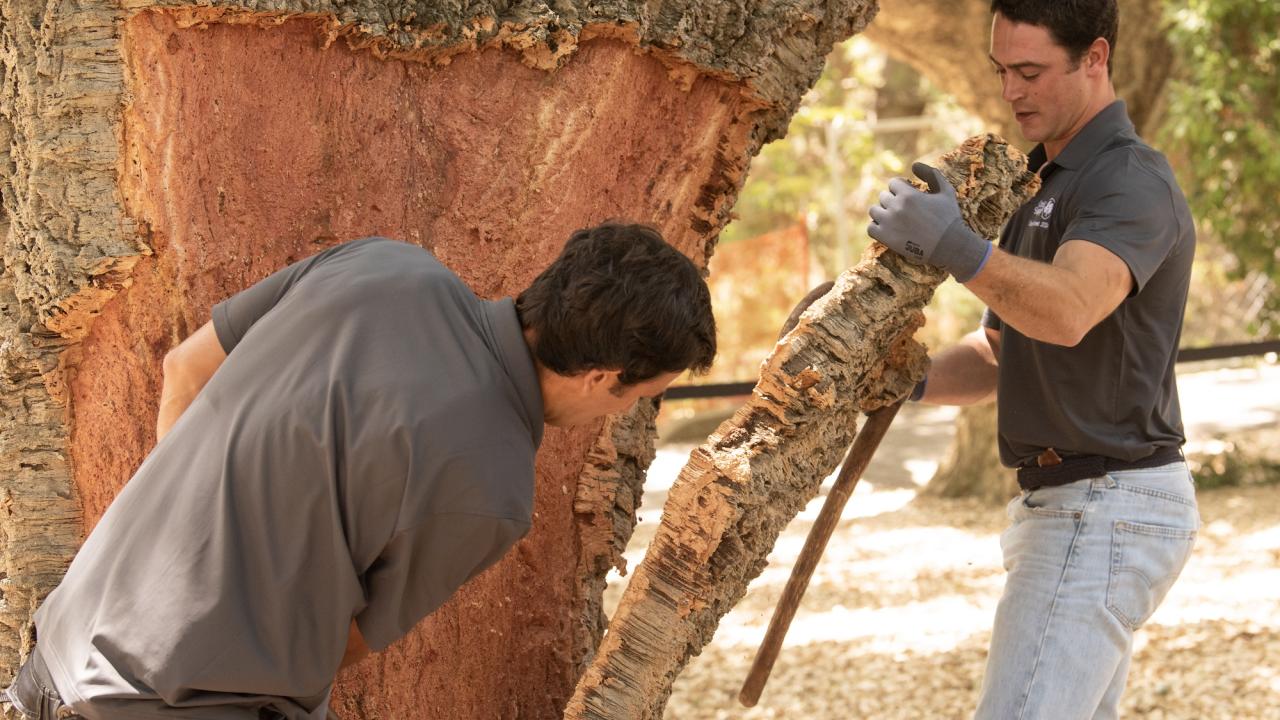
(32, 695)
(1087, 564)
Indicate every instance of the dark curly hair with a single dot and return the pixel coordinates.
(619, 297)
(1074, 24)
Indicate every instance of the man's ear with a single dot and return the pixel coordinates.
(1097, 55)
(598, 378)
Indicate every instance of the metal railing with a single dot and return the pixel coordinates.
(1185, 355)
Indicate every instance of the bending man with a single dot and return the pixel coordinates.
(344, 445)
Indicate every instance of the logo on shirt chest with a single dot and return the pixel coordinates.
(1041, 214)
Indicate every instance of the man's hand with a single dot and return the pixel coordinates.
(927, 227)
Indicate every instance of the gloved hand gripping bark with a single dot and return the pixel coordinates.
(927, 227)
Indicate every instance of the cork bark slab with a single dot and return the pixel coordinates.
(851, 352)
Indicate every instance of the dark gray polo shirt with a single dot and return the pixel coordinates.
(366, 447)
(1114, 393)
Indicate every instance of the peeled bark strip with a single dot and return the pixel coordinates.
(609, 492)
(852, 352)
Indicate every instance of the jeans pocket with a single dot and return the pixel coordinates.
(1145, 561)
(1058, 501)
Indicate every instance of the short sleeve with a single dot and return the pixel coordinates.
(1129, 210)
(233, 317)
(423, 566)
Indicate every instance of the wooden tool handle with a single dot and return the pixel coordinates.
(855, 463)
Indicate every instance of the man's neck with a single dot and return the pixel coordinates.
(1104, 98)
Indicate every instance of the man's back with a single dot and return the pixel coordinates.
(365, 391)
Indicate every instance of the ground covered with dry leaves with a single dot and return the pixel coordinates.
(896, 621)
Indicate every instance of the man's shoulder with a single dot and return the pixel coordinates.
(1128, 167)
(380, 260)
(385, 247)
(1128, 158)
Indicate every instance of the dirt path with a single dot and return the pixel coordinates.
(896, 621)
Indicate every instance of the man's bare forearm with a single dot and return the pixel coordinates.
(1055, 303)
(186, 370)
(964, 374)
(1031, 296)
(175, 397)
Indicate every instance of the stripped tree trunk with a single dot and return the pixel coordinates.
(159, 155)
(852, 352)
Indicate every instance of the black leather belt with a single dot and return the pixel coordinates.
(1052, 469)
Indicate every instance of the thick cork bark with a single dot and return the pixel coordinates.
(609, 492)
(159, 157)
(852, 352)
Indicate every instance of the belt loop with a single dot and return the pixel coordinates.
(1107, 481)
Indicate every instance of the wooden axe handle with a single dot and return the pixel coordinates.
(855, 463)
(794, 318)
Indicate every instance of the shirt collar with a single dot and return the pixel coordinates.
(514, 354)
(1092, 138)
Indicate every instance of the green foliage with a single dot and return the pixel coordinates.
(813, 175)
(1224, 110)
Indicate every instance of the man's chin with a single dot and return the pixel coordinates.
(1029, 130)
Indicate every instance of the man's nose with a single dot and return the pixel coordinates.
(1011, 87)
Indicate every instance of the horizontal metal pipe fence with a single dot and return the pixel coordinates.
(1185, 355)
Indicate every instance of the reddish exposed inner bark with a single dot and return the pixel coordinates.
(249, 147)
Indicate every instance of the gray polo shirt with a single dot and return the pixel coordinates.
(1114, 393)
(366, 447)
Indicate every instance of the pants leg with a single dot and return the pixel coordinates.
(32, 695)
(1087, 564)
(1109, 708)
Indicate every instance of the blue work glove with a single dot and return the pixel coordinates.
(927, 227)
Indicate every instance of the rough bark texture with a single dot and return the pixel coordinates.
(158, 157)
(609, 492)
(852, 352)
(67, 246)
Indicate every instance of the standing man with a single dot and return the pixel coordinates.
(344, 445)
(1085, 297)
